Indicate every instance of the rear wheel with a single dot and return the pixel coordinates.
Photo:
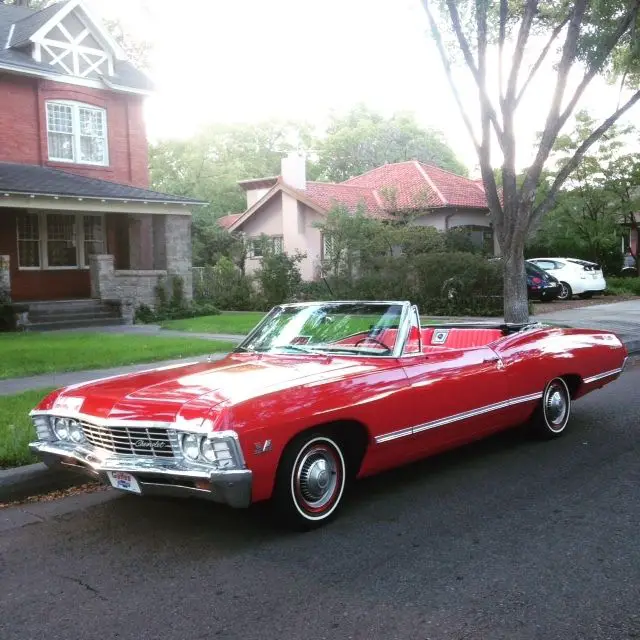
(552, 415)
(310, 481)
(566, 292)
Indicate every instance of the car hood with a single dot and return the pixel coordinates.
(188, 392)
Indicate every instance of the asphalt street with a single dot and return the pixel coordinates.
(506, 538)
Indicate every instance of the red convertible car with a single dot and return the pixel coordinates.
(320, 394)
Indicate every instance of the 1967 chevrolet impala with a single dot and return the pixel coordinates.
(317, 395)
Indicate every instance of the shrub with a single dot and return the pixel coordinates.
(279, 278)
(623, 286)
(174, 307)
(225, 286)
(455, 284)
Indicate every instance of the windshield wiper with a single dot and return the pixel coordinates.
(297, 347)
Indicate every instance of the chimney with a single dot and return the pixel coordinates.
(294, 170)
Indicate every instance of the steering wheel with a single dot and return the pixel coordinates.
(372, 339)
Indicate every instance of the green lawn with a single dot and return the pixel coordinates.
(239, 323)
(24, 354)
(16, 430)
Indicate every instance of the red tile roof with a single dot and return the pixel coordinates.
(226, 221)
(412, 185)
(328, 194)
(384, 191)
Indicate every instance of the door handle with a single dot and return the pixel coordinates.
(496, 359)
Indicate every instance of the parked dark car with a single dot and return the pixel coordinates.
(540, 284)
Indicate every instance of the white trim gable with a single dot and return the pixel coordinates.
(76, 54)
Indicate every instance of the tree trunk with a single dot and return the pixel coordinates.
(516, 302)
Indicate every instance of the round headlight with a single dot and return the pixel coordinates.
(208, 450)
(75, 431)
(191, 446)
(61, 428)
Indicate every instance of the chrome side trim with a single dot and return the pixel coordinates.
(606, 374)
(434, 424)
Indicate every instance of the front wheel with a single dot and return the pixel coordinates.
(310, 481)
(552, 415)
(565, 291)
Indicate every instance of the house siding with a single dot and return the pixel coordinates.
(23, 128)
(443, 219)
(268, 221)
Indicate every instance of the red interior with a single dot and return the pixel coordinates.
(457, 338)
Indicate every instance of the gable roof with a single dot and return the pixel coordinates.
(27, 179)
(25, 28)
(402, 187)
(19, 24)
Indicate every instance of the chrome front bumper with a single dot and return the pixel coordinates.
(156, 476)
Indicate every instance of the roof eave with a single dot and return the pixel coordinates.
(41, 73)
(59, 196)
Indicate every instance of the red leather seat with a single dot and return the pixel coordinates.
(467, 338)
(458, 338)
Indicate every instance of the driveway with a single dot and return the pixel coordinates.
(622, 318)
(504, 539)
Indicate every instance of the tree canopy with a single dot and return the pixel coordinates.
(209, 165)
(362, 140)
(594, 37)
(600, 195)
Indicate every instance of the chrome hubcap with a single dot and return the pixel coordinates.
(564, 292)
(317, 477)
(556, 406)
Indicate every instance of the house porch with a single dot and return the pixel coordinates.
(118, 257)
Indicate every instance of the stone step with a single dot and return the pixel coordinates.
(78, 316)
(75, 324)
(56, 306)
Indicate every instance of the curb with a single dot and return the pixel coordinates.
(23, 482)
(632, 345)
(20, 483)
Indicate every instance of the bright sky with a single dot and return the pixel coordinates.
(247, 60)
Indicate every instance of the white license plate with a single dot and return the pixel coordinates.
(124, 481)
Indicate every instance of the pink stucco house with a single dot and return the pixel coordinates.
(287, 207)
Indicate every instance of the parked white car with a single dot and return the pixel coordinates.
(577, 277)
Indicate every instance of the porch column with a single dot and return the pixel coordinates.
(141, 241)
(177, 250)
(5, 279)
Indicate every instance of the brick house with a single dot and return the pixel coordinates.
(287, 207)
(77, 218)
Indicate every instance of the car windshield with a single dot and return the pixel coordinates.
(368, 329)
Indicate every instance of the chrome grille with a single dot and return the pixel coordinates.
(153, 442)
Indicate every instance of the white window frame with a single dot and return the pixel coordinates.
(77, 136)
(39, 241)
(251, 240)
(80, 241)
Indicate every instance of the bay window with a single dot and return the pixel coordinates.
(77, 133)
(58, 240)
